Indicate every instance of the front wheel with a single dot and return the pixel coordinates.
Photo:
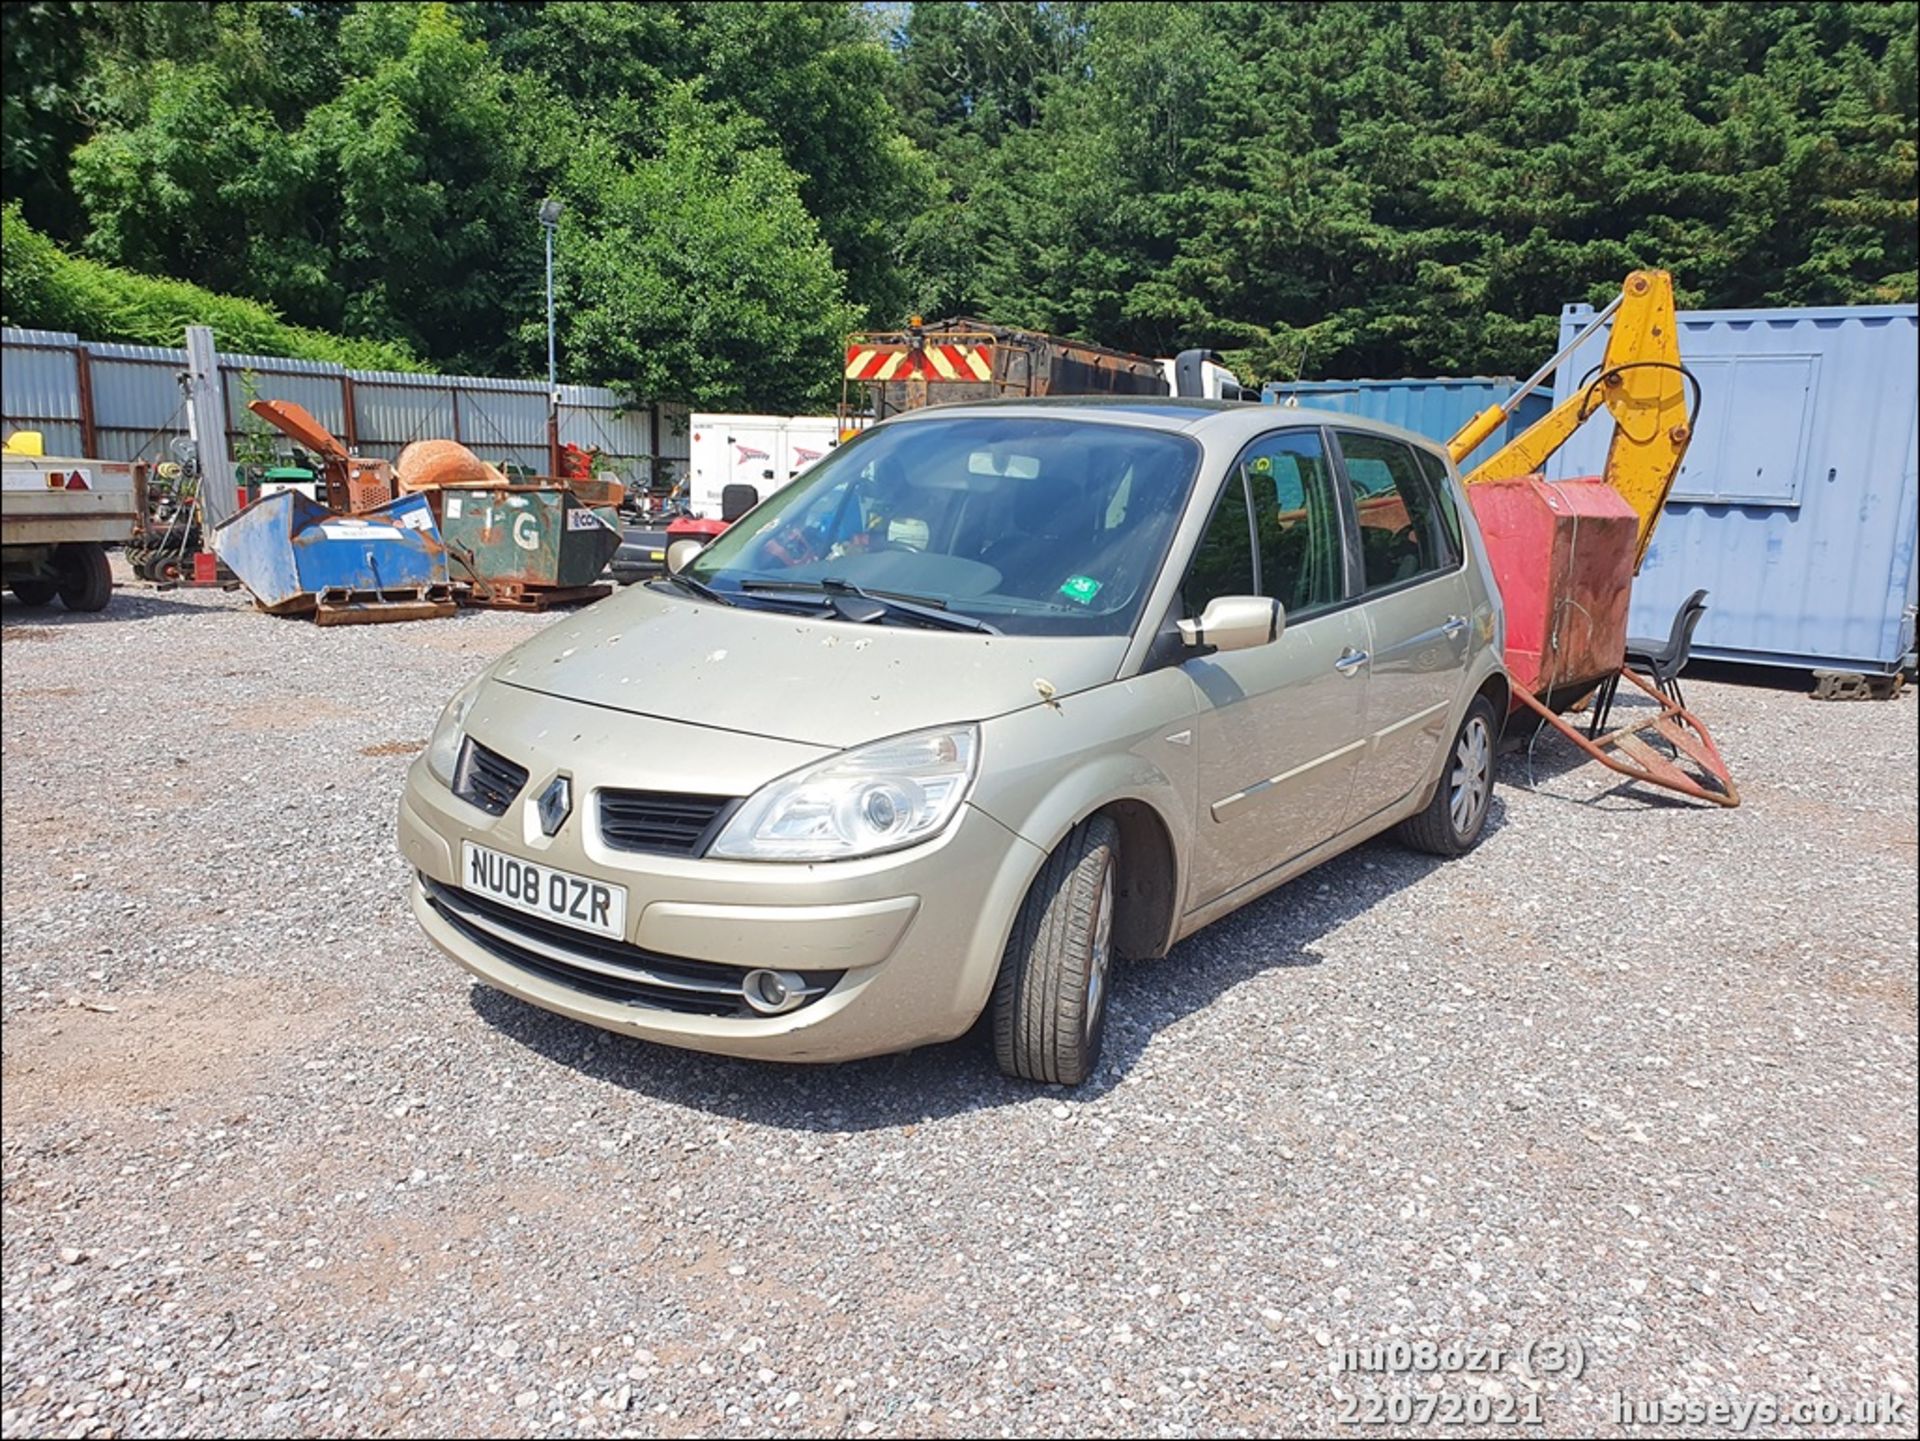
(1455, 818)
(1050, 1002)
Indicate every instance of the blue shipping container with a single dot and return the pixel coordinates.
(1796, 509)
(1435, 408)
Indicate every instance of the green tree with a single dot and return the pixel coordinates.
(1392, 189)
(43, 61)
(381, 204)
(817, 78)
(1342, 188)
(699, 274)
(428, 222)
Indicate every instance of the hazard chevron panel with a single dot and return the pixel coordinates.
(964, 363)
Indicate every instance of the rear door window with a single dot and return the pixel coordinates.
(1403, 531)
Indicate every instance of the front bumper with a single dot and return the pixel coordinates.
(913, 939)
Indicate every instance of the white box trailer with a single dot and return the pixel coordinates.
(57, 517)
(763, 451)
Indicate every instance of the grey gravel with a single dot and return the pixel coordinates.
(1636, 1075)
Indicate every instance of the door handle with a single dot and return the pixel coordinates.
(1350, 661)
(1453, 626)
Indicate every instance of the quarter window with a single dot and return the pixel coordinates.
(1436, 469)
(1403, 533)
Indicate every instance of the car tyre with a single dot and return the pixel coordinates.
(86, 579)
(1456, 817)
(33, 592)
(1050, 1001)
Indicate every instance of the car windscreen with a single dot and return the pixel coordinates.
(1036, 526)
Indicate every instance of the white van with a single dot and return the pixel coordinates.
(763, 451)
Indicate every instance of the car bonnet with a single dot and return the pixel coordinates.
(792, 677)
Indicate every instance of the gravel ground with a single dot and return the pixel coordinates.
(1637, 1075)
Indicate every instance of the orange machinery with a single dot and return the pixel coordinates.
(1564, 554)
(354, 484)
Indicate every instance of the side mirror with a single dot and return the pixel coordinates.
(681, 552)
(1236, 622)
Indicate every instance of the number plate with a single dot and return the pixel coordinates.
(554, 895)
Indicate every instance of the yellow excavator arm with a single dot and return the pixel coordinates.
(1651, 396)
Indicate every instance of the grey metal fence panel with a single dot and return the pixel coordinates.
(42, 390)
(390, 411)
(491, 417)
(57, 437)
(175, 355)
(506, 426)
(595, 423)
(676, 433)
(281, 364)
(20, 335)
(138, 407)
(321, 391)
(137, 404)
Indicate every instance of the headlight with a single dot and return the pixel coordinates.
(876, 798)
(443, 751)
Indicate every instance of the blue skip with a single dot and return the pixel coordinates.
(299, 558)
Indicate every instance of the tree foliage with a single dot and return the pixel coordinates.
(699, 271)
(41, 286)
(1401, 189)
(1331, 189)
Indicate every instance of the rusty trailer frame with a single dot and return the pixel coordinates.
(1629, 750)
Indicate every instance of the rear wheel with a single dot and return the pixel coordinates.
(1050, 1002)
(33, 592)
(1455, 818)
(85, 578)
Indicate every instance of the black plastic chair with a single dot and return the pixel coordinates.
(737, 500)
(1663, 663)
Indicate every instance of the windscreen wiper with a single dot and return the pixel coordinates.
(925, 609)
(699, 588)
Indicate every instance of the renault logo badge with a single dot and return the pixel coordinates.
(556, 802)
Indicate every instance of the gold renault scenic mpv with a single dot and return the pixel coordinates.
(990, 698)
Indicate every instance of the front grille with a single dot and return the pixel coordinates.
(611, 970)
(662, 823)
(486, 778)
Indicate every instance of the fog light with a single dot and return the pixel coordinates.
(771, 992)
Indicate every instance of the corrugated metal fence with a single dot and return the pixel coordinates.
(124, 402)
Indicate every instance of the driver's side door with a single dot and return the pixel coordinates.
(1280, 728)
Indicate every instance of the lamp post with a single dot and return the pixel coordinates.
(550, 221)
